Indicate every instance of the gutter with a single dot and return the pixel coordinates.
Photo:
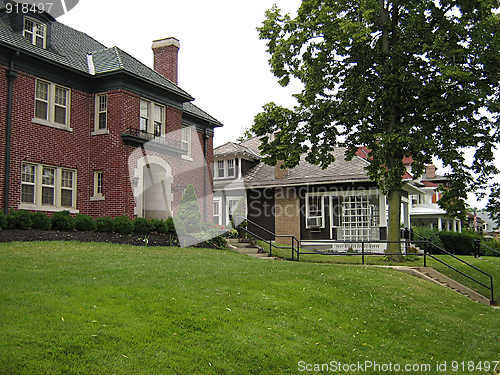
(205, 152)
(11, 77)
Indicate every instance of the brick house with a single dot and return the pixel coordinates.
(339, 203)
(92, 130)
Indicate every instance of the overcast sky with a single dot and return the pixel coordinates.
(222, 62)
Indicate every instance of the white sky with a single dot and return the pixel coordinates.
(222, 62)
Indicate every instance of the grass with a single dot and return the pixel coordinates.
(490, 265)
(80, 308)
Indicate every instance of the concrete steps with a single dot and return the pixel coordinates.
(432, 275)
(248, 248)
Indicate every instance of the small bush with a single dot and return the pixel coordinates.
(492, 244)
(19, 220)
(142, 226)
(105, 224)
(458, 243)
(85, 222)
(3, 220)
(124, 225)
(431, 234)
(170, 226)
(158, 226)
(219, 242)
(40, 221)
(62, 220)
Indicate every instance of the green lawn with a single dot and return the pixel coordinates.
(109, 309)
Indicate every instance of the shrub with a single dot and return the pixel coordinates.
(170, 226)
(3, 220)
(458, 243)
(219, 242)
(85, 222)
(19, 220)
(492, 244)
(142, 226)
(105, 224)
(124, 225)
(189, 211)
(40, 221)
(62, 220)
(431, 234)
(158, 226)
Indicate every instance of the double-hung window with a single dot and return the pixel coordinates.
(35, 32)
(220, 171)
(52, 104)
(315, 211)
(225, 168)
(152, 118)
(101, 110)
(48, 188)
(217, 212)
(186, 140)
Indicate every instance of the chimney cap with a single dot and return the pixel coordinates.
(166, 42)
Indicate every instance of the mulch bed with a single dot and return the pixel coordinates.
(154, 239)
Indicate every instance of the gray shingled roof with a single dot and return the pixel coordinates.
(231, 148)
(193, 110)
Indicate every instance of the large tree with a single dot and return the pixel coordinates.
(404, 78)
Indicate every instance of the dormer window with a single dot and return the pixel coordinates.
(35, 32)
(225, 168)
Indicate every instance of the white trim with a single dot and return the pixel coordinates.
(225, 168)
(322, 209)
(219, 201)
(36, 23)
(98, 111)
(51, 106)
(237, 199)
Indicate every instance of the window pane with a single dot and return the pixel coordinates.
(60, 115)
(61, 96)
(67, 179)
(42, 90)
(28, 173)
(48, 176)
(102, 120)
(157, 130)
(67, 198)
(99, 182)
(48, 195)
(28, 194)
(230, 168)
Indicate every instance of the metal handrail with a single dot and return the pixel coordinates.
(489, 248)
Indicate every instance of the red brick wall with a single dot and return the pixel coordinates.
(287, 214)
(87, 153)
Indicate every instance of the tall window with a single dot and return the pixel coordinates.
(47, 187)
(220, 169)
(35, 32)
(314, 211)
(186, 140)
(230, 168)
(356, 218)
(145, 113)
(28, 175)
(52, 103)
(159, 120)
(217, 217)
(101, 102)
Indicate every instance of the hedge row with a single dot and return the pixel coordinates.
(64, 221)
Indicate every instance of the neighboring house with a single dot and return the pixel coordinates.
(92, 130)
(424, 208)
(314, 205)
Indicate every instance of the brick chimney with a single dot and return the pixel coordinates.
(165, 55)
(430, 171)
(279, 173)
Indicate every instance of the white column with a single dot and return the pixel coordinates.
(454, 225)
(459, 226)
(383, 210)
(440, 224)
(239, 168)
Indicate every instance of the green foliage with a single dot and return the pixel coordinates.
(3, 220)
(189, 211)
(142, 226)
(19, 220)
(123, 225)
(430, 234)
(85, 222)
(105, 224)
(458, 243)
(169, 225)
(62, 220)
(389, 76)
(40, 221)
(158, 226)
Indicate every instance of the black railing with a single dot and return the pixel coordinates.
(479, 245)
(295, 243)
(161, 139)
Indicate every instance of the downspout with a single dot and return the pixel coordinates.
(11, 77)
(205, 152)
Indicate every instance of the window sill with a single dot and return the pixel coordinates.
(185, 157)
(51, 124)
(100, 132)
(97, 198)
(226, 178)
(32, 207)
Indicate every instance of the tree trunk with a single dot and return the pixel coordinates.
(394, 223)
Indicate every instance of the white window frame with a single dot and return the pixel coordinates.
(322, 210)
(186, 140)
(228, 207)
(218, 202)
(225, 167)
(58, 185)
(53, 103)
(37, 33)
(98, 186)
(101, 108)
(148, 115)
